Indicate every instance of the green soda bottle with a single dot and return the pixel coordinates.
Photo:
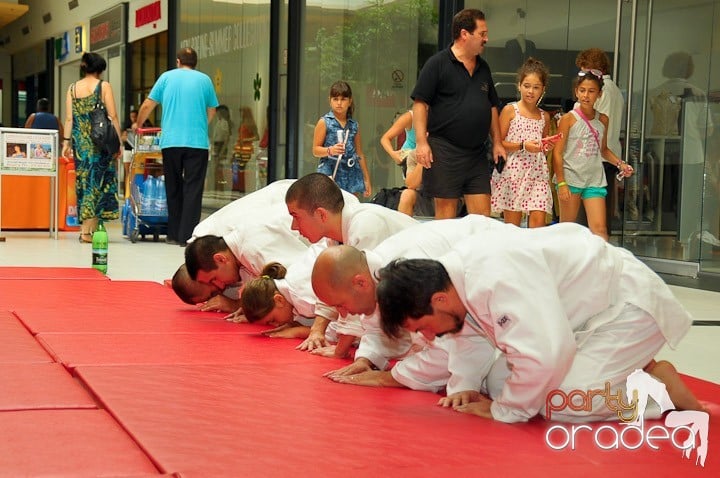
(100, 248)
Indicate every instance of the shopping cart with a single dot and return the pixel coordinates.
(145, 208)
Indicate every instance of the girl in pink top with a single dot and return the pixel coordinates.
(523, 185)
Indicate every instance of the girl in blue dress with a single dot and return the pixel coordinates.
(337, 135)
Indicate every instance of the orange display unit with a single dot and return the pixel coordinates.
(67, 199)
(26, 200)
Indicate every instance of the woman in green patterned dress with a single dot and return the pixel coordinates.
(96, 170)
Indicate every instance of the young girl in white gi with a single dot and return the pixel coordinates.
(337, 138)
(578, 156)
(289, 304)
(524, 184)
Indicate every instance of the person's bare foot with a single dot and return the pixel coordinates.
(681, 396)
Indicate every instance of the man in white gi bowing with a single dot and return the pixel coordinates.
(256, 231)
(568, 310)
(345, 277)
(319, 211)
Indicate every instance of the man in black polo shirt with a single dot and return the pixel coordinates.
(456, 104)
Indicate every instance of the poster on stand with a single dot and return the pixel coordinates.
(28, 153)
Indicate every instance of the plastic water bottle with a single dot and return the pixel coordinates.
(139, 186)
(100, 249)
(235, 174)
(148, 197)
(161, 195)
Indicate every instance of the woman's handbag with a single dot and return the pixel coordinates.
(102, 131)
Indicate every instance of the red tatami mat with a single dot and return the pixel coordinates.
(96, 296)
(280, 420)
(40, 386)
(106, 306)
(202, 397)
(121, 349)
(68, 443)
(51, 273)
(125, 318)
(18, 345)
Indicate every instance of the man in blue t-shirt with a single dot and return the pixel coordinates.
(188, 102)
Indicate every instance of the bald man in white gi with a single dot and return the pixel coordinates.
(345, 278)
(319, 212)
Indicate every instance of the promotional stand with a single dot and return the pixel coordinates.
(30, 152)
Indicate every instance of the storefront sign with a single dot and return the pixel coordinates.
(229, 38)
(146, 18)
(70, 45)
(78, 38)
(62, 47)
(107, 29)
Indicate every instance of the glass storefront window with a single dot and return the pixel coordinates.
(710, 242)
(667, 211)
(378, 48)
(670, 207)
(232, 39)
(149, 61)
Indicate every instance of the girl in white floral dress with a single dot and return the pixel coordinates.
(524, 184)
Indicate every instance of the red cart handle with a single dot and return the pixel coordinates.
(142, 131)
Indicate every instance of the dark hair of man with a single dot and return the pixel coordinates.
(180, 285)
(43, 104)
(187, 57)
(199, 254)
(466, 20)
(405, 290)
(92, 63)
(316, 190)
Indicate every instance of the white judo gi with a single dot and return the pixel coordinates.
(261, 240)
(424, 240)
(568, 310)
(257, 229)
(457, 362)
(255, 205)
(364, 226)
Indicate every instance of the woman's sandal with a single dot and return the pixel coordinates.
(87, 238)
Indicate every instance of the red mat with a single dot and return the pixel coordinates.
(40, 386)
(107, 306)
(77, 443)
(96, 295)
(122, 349)
(18, 346)
(125, 317)
(203, 397)
(278, 419)
(51, 273)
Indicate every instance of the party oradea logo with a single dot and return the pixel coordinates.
(686, 430)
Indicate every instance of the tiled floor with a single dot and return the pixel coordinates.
(697, 355)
